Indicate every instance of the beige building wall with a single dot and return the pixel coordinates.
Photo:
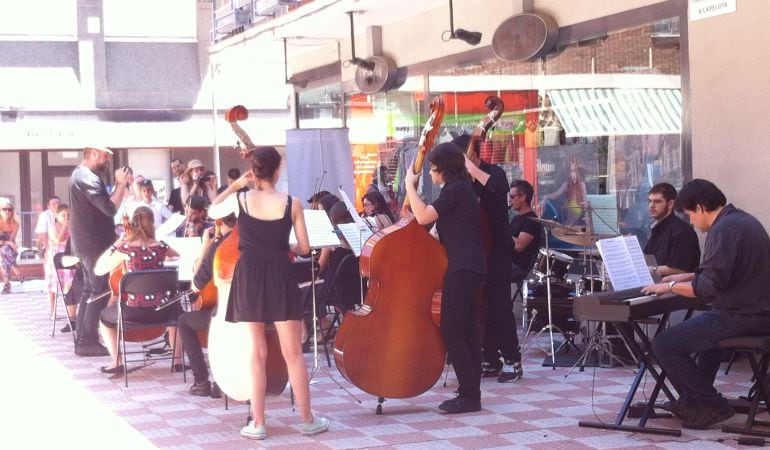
(730, 106)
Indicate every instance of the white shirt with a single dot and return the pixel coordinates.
(45, 221)
(159, 211)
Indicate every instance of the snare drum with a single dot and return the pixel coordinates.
(557, 262)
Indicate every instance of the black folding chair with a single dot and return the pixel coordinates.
(343, 292)
(62, 261)
(146, 282)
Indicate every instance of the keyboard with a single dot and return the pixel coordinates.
(629, 305)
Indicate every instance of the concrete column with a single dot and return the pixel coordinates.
(91, 50)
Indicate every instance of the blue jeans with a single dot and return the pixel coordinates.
(674, 347)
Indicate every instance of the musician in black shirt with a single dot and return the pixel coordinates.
(191, 322)
(500, 339)
(456, 213)
(672, 240)
(735, 278)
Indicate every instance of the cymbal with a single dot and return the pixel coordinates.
(550, 223)
(576, 237)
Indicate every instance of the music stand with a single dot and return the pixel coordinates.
(321, 235)
(547, 225)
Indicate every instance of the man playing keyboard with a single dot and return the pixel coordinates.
(735, 278)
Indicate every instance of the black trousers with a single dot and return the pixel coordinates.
(459, 329)
(188, 325)
(88, 313)
(500, 337)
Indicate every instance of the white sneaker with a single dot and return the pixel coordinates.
(317, 426)
(253, 432)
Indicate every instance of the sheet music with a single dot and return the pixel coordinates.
(319, 230)
(355, 236)
(352, 210)
(624, 261)
(168, 227)
(604, 213)
(640, 263)
(189, 248)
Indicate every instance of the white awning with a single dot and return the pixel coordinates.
(612, 112)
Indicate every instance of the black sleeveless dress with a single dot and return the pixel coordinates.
(264, 288)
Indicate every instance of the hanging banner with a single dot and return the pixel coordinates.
(318, 159)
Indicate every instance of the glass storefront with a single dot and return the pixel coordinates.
(592, 126)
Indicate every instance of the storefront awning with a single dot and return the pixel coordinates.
(611, 112)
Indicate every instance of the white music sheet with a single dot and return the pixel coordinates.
(168, 227)
(355, 236)
(189, 248)
(352, 210)
(319, 230)
(625, 262)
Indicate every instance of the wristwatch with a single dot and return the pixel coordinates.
(671, 285)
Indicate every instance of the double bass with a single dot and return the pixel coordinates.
(230, 366)
(391, 347)
(495, 106)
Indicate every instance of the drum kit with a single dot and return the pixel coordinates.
(554, 290)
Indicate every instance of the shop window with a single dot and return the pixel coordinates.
(593, 126)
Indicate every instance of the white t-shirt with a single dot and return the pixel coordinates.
(45, 221)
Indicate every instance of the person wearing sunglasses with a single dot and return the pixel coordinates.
(9, 227)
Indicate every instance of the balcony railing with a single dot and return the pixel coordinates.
(235, 16)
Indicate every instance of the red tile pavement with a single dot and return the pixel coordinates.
(61, 400)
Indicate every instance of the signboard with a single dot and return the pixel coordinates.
(701, 9)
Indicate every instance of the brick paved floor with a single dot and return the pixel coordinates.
(54, 399)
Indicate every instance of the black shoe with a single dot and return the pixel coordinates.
(460, 405)
(680, 409)
(91, 349)
(511, 372)
(117, 370)
(202, 389)
(215, 391)
(705, 416)
(181, 368)
(489, 370)
(70, 327)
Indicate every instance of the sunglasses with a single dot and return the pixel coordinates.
(7, 209)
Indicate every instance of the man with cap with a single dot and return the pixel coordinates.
(500, 339)
(189, 179)
(92, 210)
(147, 193)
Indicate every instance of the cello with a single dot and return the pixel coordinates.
(391, 346)
(229, 366)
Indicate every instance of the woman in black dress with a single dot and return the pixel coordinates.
(456, 213)
(264, 289)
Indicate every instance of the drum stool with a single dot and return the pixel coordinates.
(754, 346)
